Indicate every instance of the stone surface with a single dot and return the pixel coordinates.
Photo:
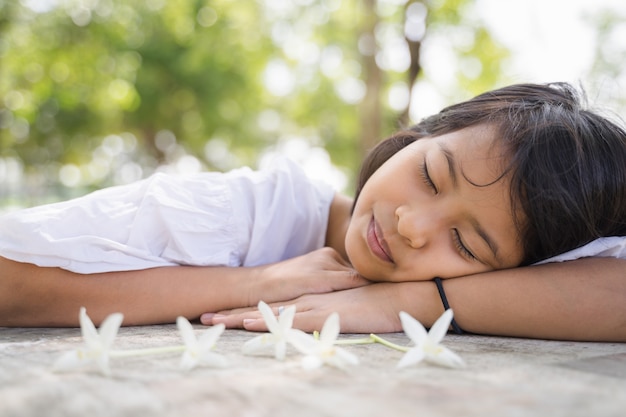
(503, 377)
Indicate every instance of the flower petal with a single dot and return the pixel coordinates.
(441, 326)
(188, 361)
(344, 357)
(269, 317)
(258, 344)
(280, 350)
(413, 356)
(330, 330)
(109, 328)
(209, 337)
(310, 362)
(285, 320)
(68, 361)
(297, 333)
(88, 330)
(413, 328)
(103, 364)
(213, 359)
(303, 342)
(445, 357)
(186, 331)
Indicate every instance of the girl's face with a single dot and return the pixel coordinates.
(426, 212)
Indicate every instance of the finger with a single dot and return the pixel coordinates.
(276, 307)
(248, 318)
(207, 318)
(254, 324)
(305, 320)
(234, 321)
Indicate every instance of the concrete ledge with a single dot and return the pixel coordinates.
(503, 377)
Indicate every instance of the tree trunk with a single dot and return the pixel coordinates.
(414, 70)
(370, 109)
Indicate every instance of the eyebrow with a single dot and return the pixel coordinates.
(452, 170)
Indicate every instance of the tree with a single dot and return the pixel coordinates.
(98, 93)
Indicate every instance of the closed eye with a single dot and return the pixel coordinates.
(461, 248)
(426, 177)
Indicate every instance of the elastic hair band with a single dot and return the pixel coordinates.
(446, 306)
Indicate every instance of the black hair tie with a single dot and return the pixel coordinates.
(446, 306)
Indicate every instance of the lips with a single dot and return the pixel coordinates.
(377, 243)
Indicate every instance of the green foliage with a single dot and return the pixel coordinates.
(105, 91)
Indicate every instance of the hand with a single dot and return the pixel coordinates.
(320, 271)
(369, 309)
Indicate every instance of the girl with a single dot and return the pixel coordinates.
(495, 184)
(566, 173)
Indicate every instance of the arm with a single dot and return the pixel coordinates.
(35, 296)
(577, 300)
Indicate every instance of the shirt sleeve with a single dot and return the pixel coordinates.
(161, 221)
(289, 216)
(613, 247)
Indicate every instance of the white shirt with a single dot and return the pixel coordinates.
(613, 247)
(239, 218)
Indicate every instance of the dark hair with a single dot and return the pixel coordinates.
(567, 164)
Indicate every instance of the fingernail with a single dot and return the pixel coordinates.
(217, 318)
(206, 318)
(249, 321)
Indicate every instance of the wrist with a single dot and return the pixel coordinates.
(421, 300)
(446, 305)
(254, 285)
(264, 283)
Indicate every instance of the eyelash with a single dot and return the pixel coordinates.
(460, 246)
(426, 177)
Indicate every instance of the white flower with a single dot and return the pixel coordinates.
(280, 332)
(199, 351)
(427, 345)
(323, 350)
(98, 346)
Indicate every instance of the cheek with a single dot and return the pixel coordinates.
(353, 244)
(349, 241)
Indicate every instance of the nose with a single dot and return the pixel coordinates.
(417, 228)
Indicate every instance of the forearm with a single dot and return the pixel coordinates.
(34, 296)
(577, 300)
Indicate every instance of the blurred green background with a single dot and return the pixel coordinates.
(101, 92)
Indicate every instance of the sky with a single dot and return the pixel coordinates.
(551, 39)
